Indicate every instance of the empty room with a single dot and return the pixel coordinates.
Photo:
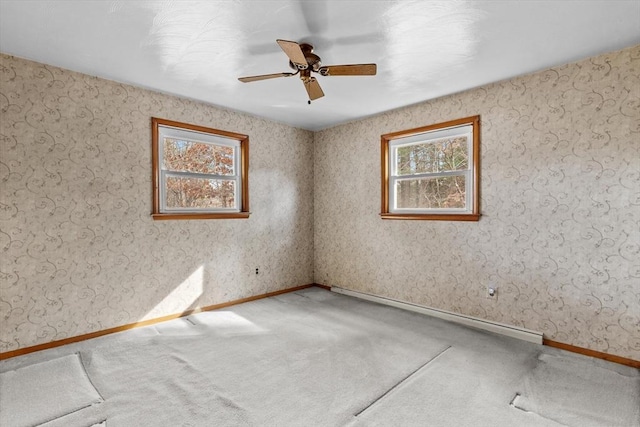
(319, 213)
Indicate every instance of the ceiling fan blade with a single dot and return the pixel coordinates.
(348, 70)
(313, 88)
(293, 51)
(265, 77)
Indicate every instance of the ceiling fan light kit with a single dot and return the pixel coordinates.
(304, 61)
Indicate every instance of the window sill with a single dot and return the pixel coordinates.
(432, 217)
(183, 216)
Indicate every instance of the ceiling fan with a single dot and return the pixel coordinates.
(304, 61)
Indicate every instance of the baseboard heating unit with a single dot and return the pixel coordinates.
(474, 322)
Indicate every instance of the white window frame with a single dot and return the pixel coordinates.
(431, 137)
(168, 132)
(468, 128)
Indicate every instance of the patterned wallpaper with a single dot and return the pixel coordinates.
(560, 199)
(559, 235)
(79, 250)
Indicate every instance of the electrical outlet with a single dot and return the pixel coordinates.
(492, 291)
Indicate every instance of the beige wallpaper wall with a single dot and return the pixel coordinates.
(559, 236)
(560, 231)
(79, 250)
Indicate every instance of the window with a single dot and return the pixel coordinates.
(432, 172)
(198, 172)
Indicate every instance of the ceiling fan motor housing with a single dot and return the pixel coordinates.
(313, 61)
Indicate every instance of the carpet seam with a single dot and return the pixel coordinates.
(84, 370)
(86, 374)
(533, 412)
(512, 403)
(68, 413)
(386, 393)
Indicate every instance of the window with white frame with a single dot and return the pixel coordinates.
(199, 172)
(432, 172)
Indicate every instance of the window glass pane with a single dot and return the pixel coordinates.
(441, 155)
(200, 193)
(188, 156)
(445, 192)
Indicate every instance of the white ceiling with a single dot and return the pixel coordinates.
(424, 49)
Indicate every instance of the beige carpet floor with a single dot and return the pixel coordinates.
(316, 358)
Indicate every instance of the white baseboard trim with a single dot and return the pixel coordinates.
(474, 322)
